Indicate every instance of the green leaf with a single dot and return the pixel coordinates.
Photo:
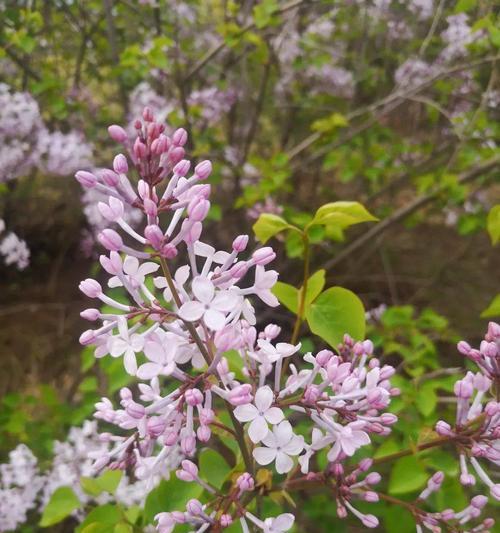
(213, 468)
(61, 504)
(102, 519)
(493, 309)
(263, 12)
(170, 495)
(465, 5)
(315, 285)
(335, 312)
(342, 214)
(493, 224)
(106, 482)
(268, 226)
(132, 513)
(407, 475)
(123, 527)
(426, 398)
(329, 124)
(288, 295)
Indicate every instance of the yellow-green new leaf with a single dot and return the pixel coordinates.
(288, 295)
(493, 309)
(335, 312)
(315, 285)
(61, 504)
(342, 214)
(268, 226)
(493, 224)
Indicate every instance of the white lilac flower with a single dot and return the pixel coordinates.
(281, 444)
(260, 414)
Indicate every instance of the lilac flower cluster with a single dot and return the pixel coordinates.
(476, 432)
(14, 250)
(178, 326)
(24, 487)
(26, 143)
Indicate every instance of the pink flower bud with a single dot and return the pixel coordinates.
(464, 347)
(240, 395)
(113, 211)
(87, 179)
(171, 438)
(87, 337)
(435, 481)
(91, 288)
(193, 234)
(341, 511)
(444, 429)
(467, 480)
(245, 482)
(176, 154)
(370, 521)
(463, 389)
(495, 491)
(263, 256)
(169, 251)
(239, 269)
(448, 514)
(203, 433)
(188, 445)
(154, 235)
(198, 209)
(226, 520)
(370, 496)
(147, 114)
(203, 170)
(193, 397)
(140, 151)
(492, 408)
(240, 243)
(271, 331)
(180, 137)
(110, 239)
(109, 177)
(150, 207)
(365, 464)
(135, 410)
(189, 471)
(207, 416)
(373, 478)
(479, 501)
(194, 507)
(155, 426)
(493, 331)
(323, 357)
(182, 167)
(388, 419)
(159, 146)
(120, 164)
(90, 314)
(125, 394)
(112, 264)
(117, 133)
(226, 339)
(489, 349)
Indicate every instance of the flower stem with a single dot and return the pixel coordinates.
(303, 290)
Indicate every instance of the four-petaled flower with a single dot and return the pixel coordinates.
(259, 414)
(348, 439)
(162, 357)
(281, 523)
(281, 443)
(127, 345)
(135, 273)
(210, 304)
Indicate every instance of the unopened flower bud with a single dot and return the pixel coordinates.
(87, 337)
(198, 209)
(464, 347)
(194, 507)
(180, 137)
(150, 207)
(135, 410)
(463, 389)
(271, 331)
(240, 395)
(370, 521)
(203, 433)
(373, 478)
(226, 520)
(203, 170)
(193, 397)
(263, 256)
(140, 151)
(188, 445)
(176, 154)
(90, 314)
(120, 164)
(189, 471)
(240, 243)
(87, 179)
(154, 235)
(479, 501)
(117, 133)
(109, 177)
(182, 167)
(245, 482)
(91, 288)
(323, 357)
(110, 239)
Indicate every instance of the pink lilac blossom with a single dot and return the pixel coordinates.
(476, 431)
(64, 153)
(189, 317)
(457, 37)
(412, 73)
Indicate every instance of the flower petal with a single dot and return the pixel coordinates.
(264, 456)
(283, 463)
(245, 413)
(225, 301)
(258, 429)
(274, 415)
(283, 433)
(295, 446)
(131, 265)
(264, 398)
(154, 352)
(283, 522)
(215, 320)
(203, 289)
(191, 311)
(148, 371)
(130, 362)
